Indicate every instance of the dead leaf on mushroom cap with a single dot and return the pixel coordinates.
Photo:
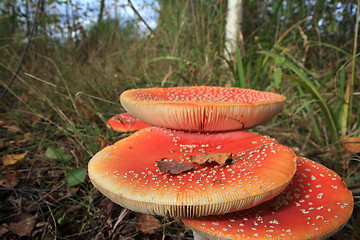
(219, 158)
(174, 167)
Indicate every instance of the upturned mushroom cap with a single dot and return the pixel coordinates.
(314, 206)
(202, 108)
(125, 122)
(127, 172)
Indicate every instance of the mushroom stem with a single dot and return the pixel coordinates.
(197, 236)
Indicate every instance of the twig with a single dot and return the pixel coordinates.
(120, 218)
(99, 216)
(30, 37)
(138, 14)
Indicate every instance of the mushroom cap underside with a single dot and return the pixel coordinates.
(315, 205)
(202, 108)
(128, 174)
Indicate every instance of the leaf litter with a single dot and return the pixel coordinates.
(351, 144)
(147, 224)
(11, 159)
(24, 226)
(10, 180)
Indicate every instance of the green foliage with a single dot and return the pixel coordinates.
(240, 70)
(75, 176)
(57, 153)
(111, 30)
(309, 85)
(353, 179)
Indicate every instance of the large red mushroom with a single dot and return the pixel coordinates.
(128, 172)
(315, 205)
(202, 108)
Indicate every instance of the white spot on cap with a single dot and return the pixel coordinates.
(320, 195)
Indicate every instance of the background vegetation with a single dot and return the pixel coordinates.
(61, 79)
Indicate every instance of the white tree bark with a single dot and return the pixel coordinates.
(233, 30)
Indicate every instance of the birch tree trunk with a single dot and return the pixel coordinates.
(233, 30)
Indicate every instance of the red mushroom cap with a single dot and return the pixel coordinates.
(202, 108)
(125, 122)
(127, 172)
(315, 205)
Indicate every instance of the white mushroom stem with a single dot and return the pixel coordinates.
(197, 236)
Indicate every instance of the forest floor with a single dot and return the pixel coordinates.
(38, 203)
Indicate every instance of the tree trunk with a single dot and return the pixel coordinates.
(233, 31)
(101, 13)
(67, 20)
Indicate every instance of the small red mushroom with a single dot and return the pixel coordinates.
(125, 122)
(315, 205)
(202, 108)
(128, 172)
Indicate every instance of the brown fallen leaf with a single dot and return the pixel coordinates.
(103, 143)
(24, 226)
(220, 158)
(174, 167)
(11, 159)
(11, 128)
(351, 144)
(70, 191)
(8, 124)
(147, 224)
(3, 229)
(90, 114)
(10, 180)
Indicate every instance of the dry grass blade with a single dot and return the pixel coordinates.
(120, 218)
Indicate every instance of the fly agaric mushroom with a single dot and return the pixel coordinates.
(202, 108)
(125, 122)
(128, 173)
(314, 206)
